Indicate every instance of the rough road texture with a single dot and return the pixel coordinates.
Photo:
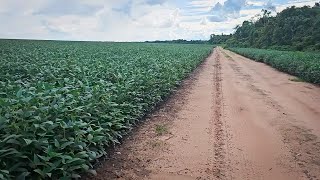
(233, 118)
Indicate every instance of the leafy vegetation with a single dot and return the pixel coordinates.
(63, 103)
(161, 129)
(295, 28)
(305, 65)
(219, 39)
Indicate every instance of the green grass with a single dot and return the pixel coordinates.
(161, 129)
(63, 103)
(304, 65)
(296, 80)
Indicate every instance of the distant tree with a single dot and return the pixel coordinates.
(219, 39)
(296, 28)
(180, 41)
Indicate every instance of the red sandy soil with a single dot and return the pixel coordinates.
(233, 118)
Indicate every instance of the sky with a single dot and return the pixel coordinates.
(129, 20)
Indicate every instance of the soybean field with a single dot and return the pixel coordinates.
(63, 103)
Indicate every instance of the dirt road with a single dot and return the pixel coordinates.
(233, 118)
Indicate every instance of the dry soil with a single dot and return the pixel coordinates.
(233, 118)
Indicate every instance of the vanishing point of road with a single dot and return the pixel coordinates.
(232, 118)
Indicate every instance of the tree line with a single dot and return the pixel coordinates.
(295, 28)
(180, 41)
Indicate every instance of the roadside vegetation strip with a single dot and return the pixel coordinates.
(63, 103)
(305, 65)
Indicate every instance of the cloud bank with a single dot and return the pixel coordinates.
(129, 20)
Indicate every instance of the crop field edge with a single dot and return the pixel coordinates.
(291, 62)
(22, 141)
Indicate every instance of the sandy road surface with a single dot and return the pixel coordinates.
(233, 118)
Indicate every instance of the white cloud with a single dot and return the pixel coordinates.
(127, 20)
(204, 21)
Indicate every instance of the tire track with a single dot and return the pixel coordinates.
(302, 144)
(219, 132)
(226, 122)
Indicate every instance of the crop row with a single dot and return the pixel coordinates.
(305, 65)
(63, 103)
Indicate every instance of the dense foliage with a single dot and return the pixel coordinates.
(219, 39)
(292, 29)
(305, 65)
(63, 103)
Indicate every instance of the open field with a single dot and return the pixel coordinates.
(233, 118)
(63, 103)
(160, 90)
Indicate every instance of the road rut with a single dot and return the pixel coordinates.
(232, 118)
